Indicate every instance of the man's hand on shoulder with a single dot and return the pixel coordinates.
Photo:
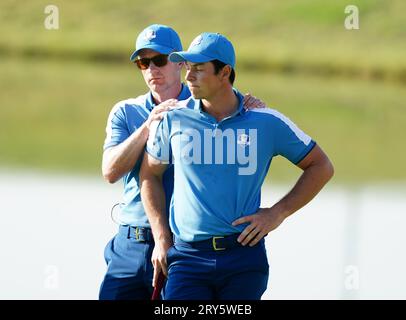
(159, 111)
(252, 102)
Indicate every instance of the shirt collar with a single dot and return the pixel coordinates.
(240, 109)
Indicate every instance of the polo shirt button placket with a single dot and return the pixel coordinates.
(216, 130)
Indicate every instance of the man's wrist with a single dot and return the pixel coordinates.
(163, 237)
(165, 242)
(280, 211)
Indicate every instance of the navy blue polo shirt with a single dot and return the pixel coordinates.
(125, 118)
(220, 166)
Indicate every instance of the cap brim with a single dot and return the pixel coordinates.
(188, 56)
(155, 47)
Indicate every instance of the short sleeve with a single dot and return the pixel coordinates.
(116, 128)
(290, 141)
(158, 144)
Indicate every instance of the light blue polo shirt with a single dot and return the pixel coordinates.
(220, 166)
(125, 118)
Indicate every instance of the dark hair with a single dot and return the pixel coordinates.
(218, 65)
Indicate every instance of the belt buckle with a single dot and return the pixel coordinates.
(138, 234)
(215, 247)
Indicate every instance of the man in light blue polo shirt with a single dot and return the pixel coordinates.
(221, 154)
(128, 254)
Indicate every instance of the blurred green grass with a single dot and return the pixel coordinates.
(56, 114)
(58, 87)
(300, 35)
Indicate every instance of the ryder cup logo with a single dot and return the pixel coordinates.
(243, 140)
(149, 35)
(196, 41)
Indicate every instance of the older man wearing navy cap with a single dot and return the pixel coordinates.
(215, 214)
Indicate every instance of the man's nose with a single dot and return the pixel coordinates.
(189, 75)
(152, 66)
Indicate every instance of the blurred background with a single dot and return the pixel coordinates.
(344, 87)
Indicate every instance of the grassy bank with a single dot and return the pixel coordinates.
(288, 36)
(54, 114)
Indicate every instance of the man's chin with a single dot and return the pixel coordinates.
(155, 86)
(195, 93)
(196, 96)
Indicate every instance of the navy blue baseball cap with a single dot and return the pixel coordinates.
(157, 37)
(207, 47)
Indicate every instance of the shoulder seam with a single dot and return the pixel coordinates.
(306, 139)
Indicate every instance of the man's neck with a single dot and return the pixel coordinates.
(222, 105)
(170, 93)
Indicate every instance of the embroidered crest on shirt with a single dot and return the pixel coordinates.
(243, 139)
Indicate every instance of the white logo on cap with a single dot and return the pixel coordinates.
(149, 35)
(196, 41)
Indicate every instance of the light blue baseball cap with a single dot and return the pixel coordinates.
(157, 37)
(207, 47)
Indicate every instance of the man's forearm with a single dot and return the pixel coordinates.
(120, 159)
(153, 198)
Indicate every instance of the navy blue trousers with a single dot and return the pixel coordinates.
(129, 268)
(237, 273)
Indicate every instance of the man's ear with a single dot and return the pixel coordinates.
(225, 72)
(180, 65)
